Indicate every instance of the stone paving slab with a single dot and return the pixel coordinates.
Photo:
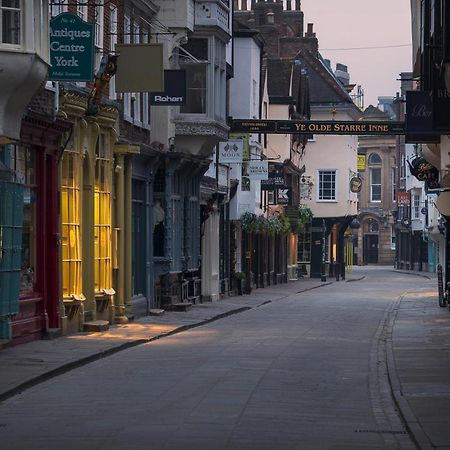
(420, 367)
(28, 364)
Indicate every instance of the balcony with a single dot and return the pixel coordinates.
(213, 13)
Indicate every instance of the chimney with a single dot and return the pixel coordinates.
(310, 33)
(342, 74)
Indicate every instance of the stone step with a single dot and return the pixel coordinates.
(156, 312)
(95, 326)
(183, 306)
(52, 333)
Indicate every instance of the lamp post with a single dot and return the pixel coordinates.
(323, 276)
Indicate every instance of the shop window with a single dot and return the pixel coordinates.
(304, 245)
(10, 21)
(158, 213)
(102, 216)
(70, 225)
(21, 160)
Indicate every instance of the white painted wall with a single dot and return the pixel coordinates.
(330, 152)
(245, 100)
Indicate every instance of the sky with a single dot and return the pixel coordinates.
(364, 23)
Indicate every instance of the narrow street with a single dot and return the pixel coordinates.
(304, 372)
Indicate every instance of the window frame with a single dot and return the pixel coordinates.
(415, 206)
(320, 173)
(73, 274)
(372, 184)
(103, 260)
(21, 11)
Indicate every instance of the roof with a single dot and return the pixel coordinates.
(371, 112)
(324, 87)
(279, 77)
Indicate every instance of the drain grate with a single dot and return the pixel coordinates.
(381, 431)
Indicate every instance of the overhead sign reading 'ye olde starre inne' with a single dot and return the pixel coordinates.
(71, 48)
(318, 127)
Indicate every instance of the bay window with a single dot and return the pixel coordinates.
(10, 22)
(204, 60)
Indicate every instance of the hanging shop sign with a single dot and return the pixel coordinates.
(245, 140)
(174, 90)
(140, 68)
(441, 106)
(71, 48)
(424, 171)
(419, 118)
(361, 162)
(283, 196)
(275, 180)
(318, 127)
(355, 184)
(231, 151)
(403, 198)
(258, 170)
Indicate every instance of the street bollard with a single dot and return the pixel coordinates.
(336, 271)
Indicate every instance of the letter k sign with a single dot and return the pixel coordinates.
(283, 196)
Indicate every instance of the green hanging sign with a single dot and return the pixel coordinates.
(71, 48)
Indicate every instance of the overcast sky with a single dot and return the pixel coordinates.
(364, 23)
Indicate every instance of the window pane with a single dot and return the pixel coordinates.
(374, 159)
(376, 176)
(327, 185)
(376, 193)
(10, 27)
(196, 89)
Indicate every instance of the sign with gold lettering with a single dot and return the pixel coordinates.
(318, 127)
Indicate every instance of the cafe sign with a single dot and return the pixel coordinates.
(71, 48)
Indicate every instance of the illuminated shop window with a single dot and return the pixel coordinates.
(10, 21)
(70, 225)
(102, 217)
(21, 160)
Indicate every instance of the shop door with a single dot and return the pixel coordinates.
(371, 248)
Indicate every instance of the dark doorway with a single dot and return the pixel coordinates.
(371, 249)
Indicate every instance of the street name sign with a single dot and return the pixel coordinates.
(71, 48)
(317, 127)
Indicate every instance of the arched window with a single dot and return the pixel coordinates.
(374, 227)
(375, 177)
(374, 158)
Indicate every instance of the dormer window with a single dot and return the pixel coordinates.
(10, 22)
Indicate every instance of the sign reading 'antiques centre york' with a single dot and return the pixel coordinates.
(71, 48)
(317, 127)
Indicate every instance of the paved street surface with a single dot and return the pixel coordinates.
(361, 364)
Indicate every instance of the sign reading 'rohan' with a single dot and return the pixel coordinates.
(317, 127)
(71, 48)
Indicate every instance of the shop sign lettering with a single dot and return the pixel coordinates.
(71, 48)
